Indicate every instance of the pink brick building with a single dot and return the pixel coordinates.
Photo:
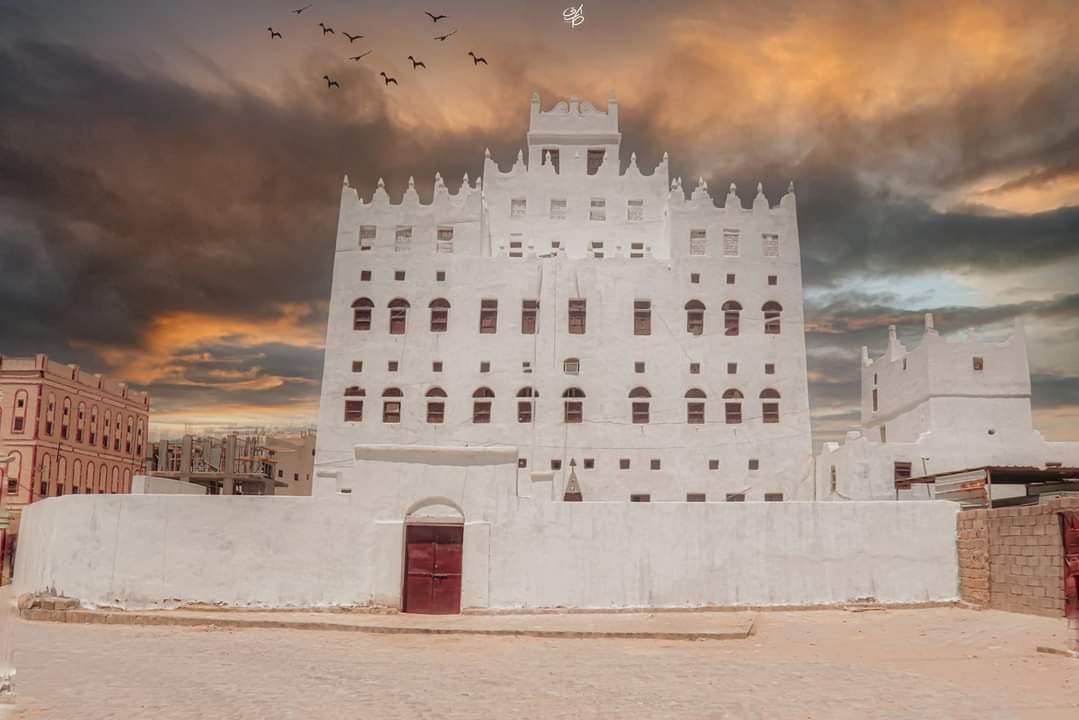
(64, 431)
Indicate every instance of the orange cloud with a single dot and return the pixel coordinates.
(169, 338)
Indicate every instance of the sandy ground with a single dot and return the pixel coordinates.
(930, 663)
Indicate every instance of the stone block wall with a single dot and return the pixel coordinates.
(1013, 558)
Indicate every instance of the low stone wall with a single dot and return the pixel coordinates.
(1013, 558)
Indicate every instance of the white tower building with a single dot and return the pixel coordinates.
(944, 406)
(575, 313)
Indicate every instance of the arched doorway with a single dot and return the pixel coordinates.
(434, 539)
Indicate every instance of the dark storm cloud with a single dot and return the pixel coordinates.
(144, 195)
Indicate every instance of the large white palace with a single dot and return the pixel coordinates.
(589, 317)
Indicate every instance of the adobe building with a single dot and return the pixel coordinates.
(580, 314)
(64, 431)
(947, 405)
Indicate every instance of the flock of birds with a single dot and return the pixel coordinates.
(416, 64)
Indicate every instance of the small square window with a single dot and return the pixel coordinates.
(769, 368)
(732, 368)
(695, 278)
(598, 209)
(736, 497)
(695, 497)
(713, 464)
(365, 275)
(398, 275)
(640, 497)
(518, 207)
(655, 464)
(979, 363)
(773, 279)
(440, 275)
(773, 497)
(623, 464)
(556, 464)
(436, 366)
(730, 278)
(357, 366)
(589, 463)
(558, 210)
(526, 366)
(392, 366)
(638, 367)
(754, 464)
(694, 368)
(485, 366)
(522, 462)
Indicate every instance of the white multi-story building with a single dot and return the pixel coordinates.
(945, 406)
(585, 316)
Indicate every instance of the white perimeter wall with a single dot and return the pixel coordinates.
(150, 485)
(145, 551)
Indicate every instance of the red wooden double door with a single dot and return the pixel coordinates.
(433, 568)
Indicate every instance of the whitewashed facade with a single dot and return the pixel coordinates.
(673, 385)
(949, 404)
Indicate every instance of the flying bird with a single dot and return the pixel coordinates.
(388, 79)
(443, 37)
(273, 33)
(416, 63)
(435, 18)
(351, 38)
(330, 83)
(301, 9)
(326, 30)
(477, 60)
(360, 57)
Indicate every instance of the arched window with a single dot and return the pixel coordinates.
(733, 406)
(772, 311)
(45, 476)
(106, 428)
(104, 488)
(61, 475)
(77, 478)
(50, 416)
(481, 405)
(440, 315)
(118, 432)
(65, 419)
(732, 312)
(130, 434)
(80, 422)
(102, 480)
(574, 405)
(770, 406)
(361, 314)
(18, 417)
(695, 406)
(93, 425)
(640, 396)
(398, 314)
(391, 405)
(138, 443)
(354, 403)
(436, 405)
(125, 485)
(695, 317)
(11, 473)
(526, 404)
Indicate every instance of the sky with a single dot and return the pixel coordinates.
(169, 174)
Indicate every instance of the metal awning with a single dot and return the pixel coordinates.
(971, 487)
